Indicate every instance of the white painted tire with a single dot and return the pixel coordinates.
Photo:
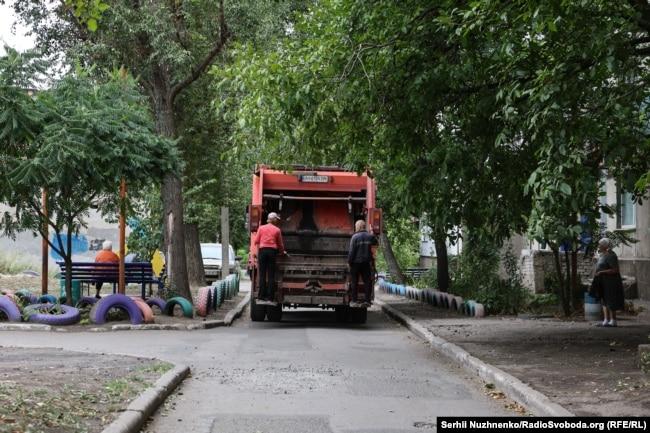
(479, 310)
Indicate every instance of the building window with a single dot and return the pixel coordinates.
(626, 212)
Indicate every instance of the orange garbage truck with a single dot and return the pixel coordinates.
(318, 207)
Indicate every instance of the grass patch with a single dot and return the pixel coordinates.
(14, 263)
(157, 367)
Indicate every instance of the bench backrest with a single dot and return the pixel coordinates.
(133, 271)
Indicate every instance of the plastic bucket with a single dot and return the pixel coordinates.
(593, 310)
(76, 290)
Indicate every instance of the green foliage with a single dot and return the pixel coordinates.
(89, 135)
(404, 236)
(493, 116)
(146, 225)
(88, 12)
(477, 278)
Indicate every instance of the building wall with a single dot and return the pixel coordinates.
(28, 247)
(536, 265)
(634, 260)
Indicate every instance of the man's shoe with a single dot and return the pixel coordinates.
(354, 304)
(98, 297)
(263, 302)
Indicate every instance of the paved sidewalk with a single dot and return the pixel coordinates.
(587, 369)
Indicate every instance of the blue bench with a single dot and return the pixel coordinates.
(134, 273)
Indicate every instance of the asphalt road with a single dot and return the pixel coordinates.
(306, 374)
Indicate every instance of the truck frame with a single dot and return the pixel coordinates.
(318, 207)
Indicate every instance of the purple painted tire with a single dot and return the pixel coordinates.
(100, 310)
(69, 315)
(86, 301)
(160, 303)
(10, 309)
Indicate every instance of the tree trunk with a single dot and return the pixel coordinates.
(171, 193)
(442, 263)
(575, 281)
(567, 284)
(391, 261)
(68, 266)
(560, 279)
(194, 257)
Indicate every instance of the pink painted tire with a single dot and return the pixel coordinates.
(203, 301)
(147, 312)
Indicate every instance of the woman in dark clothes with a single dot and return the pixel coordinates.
(608, 283)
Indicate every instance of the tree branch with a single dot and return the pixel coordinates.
(217, 48)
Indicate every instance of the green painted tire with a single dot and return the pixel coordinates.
(220, 290)
(185, 305)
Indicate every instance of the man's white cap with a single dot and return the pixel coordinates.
(273, 216)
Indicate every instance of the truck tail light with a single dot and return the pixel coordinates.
(374, 218)
(254, 217)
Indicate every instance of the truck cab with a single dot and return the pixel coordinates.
(318, 208)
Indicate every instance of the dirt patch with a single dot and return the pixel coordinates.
(590, 371)
(56, 391)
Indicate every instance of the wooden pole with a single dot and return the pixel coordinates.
(225, 242)
(121, 287)
(44, 245)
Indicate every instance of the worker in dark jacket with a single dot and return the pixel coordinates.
(361, 261)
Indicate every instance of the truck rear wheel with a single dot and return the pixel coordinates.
(274, 314)
(358, 315)
(342, 313)
(258, 312)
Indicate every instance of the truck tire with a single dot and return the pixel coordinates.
(342, 313)
(274, 314)
(258, 312)
(358, 315)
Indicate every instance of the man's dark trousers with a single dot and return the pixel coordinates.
(365, 271)
(266, 265)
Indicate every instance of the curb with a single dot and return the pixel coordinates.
(140, 409)
(24, 327)
(514, 388)
(236, 312)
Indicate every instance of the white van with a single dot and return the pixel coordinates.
(212, 261)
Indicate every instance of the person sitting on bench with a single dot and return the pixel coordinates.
(106, 255)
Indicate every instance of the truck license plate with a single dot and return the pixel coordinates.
(308, 178)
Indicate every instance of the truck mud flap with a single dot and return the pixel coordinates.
(313, 300)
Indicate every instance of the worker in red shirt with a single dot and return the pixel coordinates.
(106, 255)
(269, 244)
